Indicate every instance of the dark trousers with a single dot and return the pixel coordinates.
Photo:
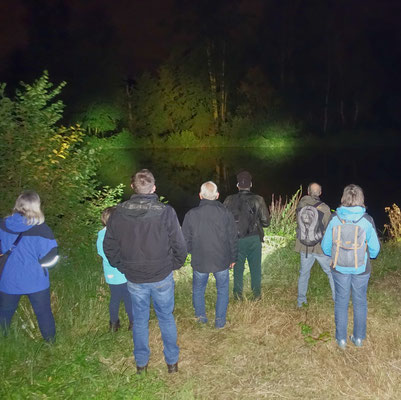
(40, 302)
(249, 248)
(119, 293)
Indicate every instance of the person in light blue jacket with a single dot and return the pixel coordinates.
(351, 279)
(115, 279)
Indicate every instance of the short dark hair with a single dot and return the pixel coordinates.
(143, 181)
(106, 214)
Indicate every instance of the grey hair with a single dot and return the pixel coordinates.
(353, 196)
(209, 191)
(28, 205)
(143, 181)
(314, 189)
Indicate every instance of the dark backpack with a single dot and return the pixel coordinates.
(310, 228)
(245, 214)
(349, 244)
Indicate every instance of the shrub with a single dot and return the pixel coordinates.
(394, 227)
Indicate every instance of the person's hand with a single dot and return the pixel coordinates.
(231, 265)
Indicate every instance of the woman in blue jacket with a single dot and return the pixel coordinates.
(352, 276)
(25, 271)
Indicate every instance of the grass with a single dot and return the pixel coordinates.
(264, 351)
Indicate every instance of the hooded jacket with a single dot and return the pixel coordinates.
(23, 272)
(144, 240)
(324, 208)
(211, 235)
(365, 221)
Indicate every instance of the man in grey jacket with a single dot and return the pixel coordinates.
(309, 254)
(211, 236)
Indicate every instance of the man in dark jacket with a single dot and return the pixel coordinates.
(211, 236)
(309, 254)
(251, 215)
(144, 241)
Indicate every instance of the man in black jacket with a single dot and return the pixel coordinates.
(211, 236)
(251, 215)
(144, 241)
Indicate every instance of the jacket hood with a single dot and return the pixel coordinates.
(16, 223)
(141, 205)
(350, 213)
(308, 201)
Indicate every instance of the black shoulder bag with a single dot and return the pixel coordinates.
(4, 257)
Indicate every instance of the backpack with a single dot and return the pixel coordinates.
(310, 226)
(349, 244)
(245, 215)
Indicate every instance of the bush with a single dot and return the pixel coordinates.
(394, 228)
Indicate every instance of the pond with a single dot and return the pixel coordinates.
(180, 172)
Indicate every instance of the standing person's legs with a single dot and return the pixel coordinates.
(304, 274)
(127, 303)
(359, 287)
(342, 283)
(41, 306)
(163, 301)
(222, 286)
(239, 269)
(8, 306)
(255, 264)
(114, 306)
(199, 283)
(325, 262)
(140, 297)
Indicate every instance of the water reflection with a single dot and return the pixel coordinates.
(179, 173)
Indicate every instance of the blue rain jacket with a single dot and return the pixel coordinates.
(353, 214)
(23, 273)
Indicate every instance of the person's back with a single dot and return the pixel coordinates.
(144, 241)
(211, 236)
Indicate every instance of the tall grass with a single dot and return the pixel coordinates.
(394, 227)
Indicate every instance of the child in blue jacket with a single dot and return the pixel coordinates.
(351, 280)
(115, 279)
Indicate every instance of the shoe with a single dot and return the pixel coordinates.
(342, 344)
(357, 342)
(171, 368)
(114, 326)
(142, 370)
(131, 324)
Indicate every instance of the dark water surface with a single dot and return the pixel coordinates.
(179, 173)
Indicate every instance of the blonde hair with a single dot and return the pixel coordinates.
(353, 196)
(28, 205)
(143, 181)
(106, 214)
(209, 191)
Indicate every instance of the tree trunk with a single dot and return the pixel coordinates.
(213, 85)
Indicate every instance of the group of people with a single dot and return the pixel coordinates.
(142, 243)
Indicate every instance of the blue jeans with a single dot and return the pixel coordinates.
(162, 294)
(199, 284)
(40, 302)
(304, 274)
(118, 293)
(345, 285)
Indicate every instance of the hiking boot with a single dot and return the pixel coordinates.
(142, 370)
(131, 324)
(171, 368)
(114, 326)
(342, 344)
(357, 342)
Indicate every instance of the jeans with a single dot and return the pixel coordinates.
(304, 274)
(40, 302)
(118, 293)
(162, 294)
(345, 285)
(199, 284)
(248, 248)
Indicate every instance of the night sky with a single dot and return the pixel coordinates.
(301, 47)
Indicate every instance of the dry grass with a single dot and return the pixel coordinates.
(394, 227)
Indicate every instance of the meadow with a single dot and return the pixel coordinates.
(269, 348)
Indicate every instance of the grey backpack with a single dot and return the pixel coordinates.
(349, 244)
(310, 227)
